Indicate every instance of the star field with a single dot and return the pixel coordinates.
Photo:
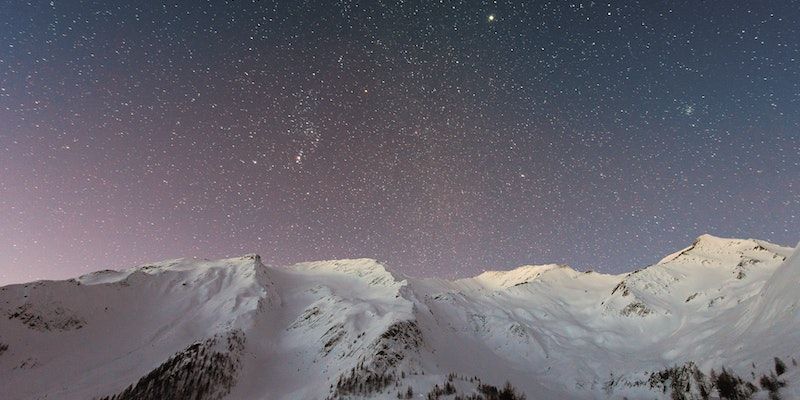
(443, 138)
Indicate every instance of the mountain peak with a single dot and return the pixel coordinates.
(516, 276)
(709, 248)
(188, 265)
(252, 256)
(363, 268)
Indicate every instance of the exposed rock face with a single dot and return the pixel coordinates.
(47, 317)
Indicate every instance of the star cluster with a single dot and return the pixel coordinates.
(442, 137)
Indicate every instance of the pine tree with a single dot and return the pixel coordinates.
(780, 367)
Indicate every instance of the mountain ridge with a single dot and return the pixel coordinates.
(342, 329)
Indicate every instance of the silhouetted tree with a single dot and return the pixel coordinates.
(780, 367)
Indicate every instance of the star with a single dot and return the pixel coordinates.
(493, 143)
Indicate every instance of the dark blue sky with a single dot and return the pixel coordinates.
(441, 137)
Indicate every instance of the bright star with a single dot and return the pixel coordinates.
(491, 17)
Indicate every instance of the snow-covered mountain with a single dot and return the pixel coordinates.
(717, 319)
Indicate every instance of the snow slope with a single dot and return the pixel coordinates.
(238, 329)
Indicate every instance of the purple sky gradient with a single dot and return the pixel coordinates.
(421, 134)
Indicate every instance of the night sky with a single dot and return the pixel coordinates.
(441, 137)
